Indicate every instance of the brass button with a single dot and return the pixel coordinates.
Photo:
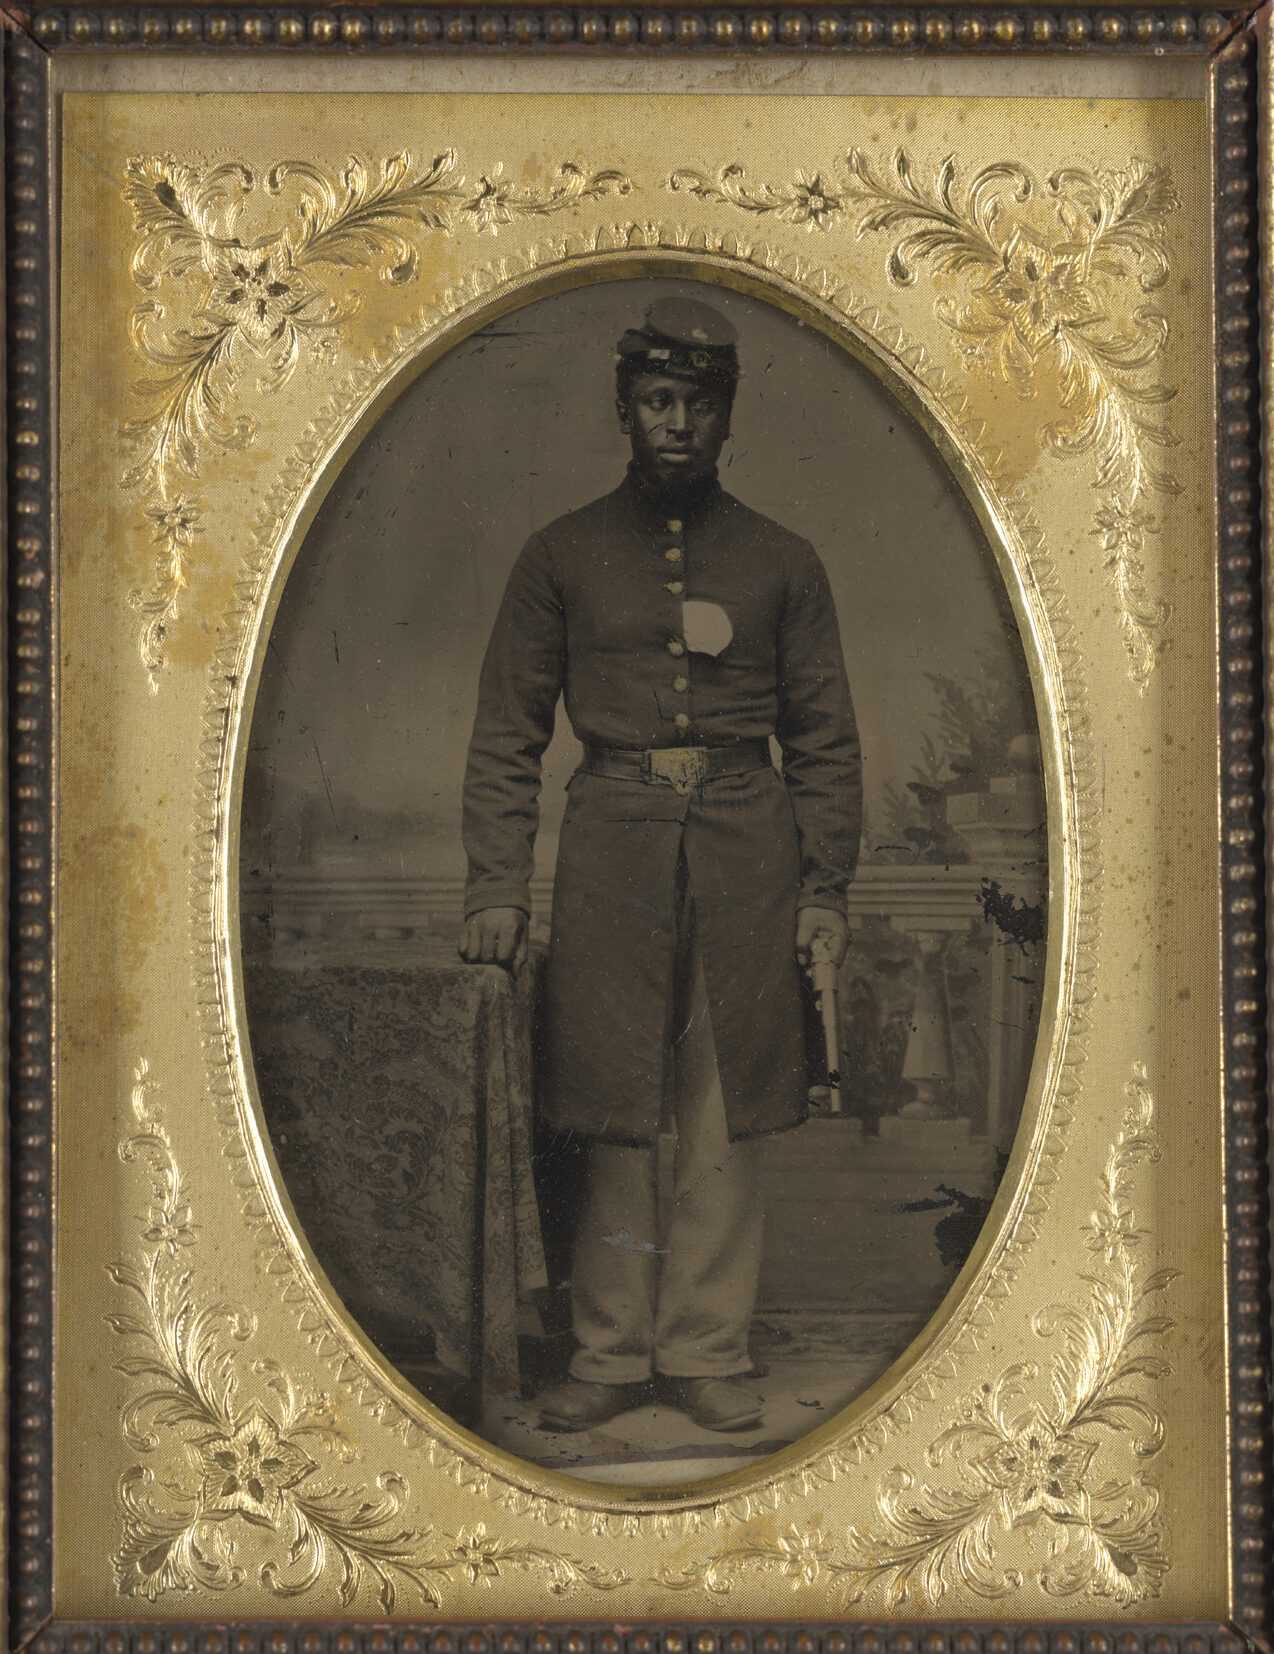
(682, 720)
(674, 525)
(676, 587)
(673, 554)
(681, 685)
(676, 646)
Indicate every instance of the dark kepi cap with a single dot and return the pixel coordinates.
(682, 337)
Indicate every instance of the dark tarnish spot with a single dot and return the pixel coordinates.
(955, 1234)
(1017, 921)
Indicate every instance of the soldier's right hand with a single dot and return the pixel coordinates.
(495, 936)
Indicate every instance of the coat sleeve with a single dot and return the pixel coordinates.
(518, 692)
(818, 734)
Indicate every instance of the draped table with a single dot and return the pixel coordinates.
(398, 1089)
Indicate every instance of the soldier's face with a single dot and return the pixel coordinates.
(677, 427)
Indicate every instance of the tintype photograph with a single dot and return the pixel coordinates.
(643, 880)
(638, 860)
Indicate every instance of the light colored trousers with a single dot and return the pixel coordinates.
(679, 1303)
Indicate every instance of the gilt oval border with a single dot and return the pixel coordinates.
(873, 1420)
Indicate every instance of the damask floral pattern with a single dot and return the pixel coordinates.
(385, 1086)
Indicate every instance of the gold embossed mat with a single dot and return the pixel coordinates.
(246, 290)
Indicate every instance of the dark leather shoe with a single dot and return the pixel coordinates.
(714, 1403)
(580, 1403)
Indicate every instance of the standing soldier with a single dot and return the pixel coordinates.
(684, 631)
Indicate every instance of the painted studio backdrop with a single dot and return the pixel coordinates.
(399, 1085)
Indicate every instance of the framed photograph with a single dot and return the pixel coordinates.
(636, 846)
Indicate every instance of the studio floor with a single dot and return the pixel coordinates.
(812, 1365)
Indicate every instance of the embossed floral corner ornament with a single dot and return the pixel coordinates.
(1041, 1454)
(1055, 276)
(236, 301)
(247, 1482)
(1045, 1452)
(1053, 283)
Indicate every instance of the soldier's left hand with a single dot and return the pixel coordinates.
(829, 922)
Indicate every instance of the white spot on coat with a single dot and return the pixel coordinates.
(706, 627)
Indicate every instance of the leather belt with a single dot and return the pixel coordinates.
(678, 767)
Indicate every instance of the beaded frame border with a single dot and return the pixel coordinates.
(1228, 38)
(862, 27)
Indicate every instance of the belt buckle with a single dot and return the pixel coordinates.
(680, 768)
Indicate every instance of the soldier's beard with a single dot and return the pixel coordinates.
(672, 485)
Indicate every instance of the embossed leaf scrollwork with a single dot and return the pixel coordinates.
(812, 200)
(245, 1446)
(260, 298)
(176, 523)
(235, 300)
(1040, 1449)
(1052, 291)
(1053, 280)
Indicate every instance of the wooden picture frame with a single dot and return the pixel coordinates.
(1038, 227)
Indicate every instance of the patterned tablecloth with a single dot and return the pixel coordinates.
(399, 1092)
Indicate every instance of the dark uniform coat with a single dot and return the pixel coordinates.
(593, 611)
